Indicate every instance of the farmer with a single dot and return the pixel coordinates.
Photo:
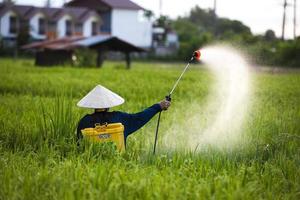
(101, 99)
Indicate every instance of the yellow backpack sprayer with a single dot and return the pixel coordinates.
(196, 56)
(113, 132)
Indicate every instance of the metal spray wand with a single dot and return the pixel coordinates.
(196, 56)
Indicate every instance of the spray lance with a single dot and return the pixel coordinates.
(196, 56)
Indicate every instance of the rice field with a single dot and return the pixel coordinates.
(39, 158)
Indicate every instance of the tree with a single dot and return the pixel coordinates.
(207, 20)
(163, 21)
(236, 27)
(148, 14)
(204, 18)
(23, 34)
(191, 37)
(270, 35)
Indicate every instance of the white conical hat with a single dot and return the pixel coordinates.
(100, 97)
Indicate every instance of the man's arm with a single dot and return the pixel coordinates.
(133, 122)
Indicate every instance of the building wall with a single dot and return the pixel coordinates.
(61, 26)
(5, 24)
(34, 26)
(87, 26)
(128, 25)
(125, 24)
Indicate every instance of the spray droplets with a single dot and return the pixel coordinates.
(218, 122)
(230, 95)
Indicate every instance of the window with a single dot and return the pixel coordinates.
(94, 28)
(68, 27)
(42, 26)
(78, 28)
(13, 24)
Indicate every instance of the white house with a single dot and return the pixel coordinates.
(65, 26)
(91, 26)
(9, 24)
(37, 24)
(47, 23)
(77, 21)
(121, 18)
(130, 26)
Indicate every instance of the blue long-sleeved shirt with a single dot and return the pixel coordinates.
(131, 122)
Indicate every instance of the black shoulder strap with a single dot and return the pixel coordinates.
(101, 117)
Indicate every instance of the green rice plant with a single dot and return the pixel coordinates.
(40, 159)
(57, 123)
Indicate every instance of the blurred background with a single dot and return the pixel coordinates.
(164, 29)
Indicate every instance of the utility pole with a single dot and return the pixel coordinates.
(160, 7)
(295, 18)
(215, 7)
(48, 3)
(283, 20)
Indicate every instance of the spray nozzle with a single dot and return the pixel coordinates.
(168, 97)
(197, 55)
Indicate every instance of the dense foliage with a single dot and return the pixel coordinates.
(202, 27)
(39, 158)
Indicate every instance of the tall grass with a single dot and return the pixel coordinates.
(39, 157)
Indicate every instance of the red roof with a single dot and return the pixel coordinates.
(69, 43)
(57, 44)
(119, 4)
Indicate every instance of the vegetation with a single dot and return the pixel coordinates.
(39, 158)
(85, 57)
(202, 27)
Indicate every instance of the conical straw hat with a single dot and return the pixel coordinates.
(100, 97)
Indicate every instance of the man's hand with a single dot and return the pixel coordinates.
(164, 104)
